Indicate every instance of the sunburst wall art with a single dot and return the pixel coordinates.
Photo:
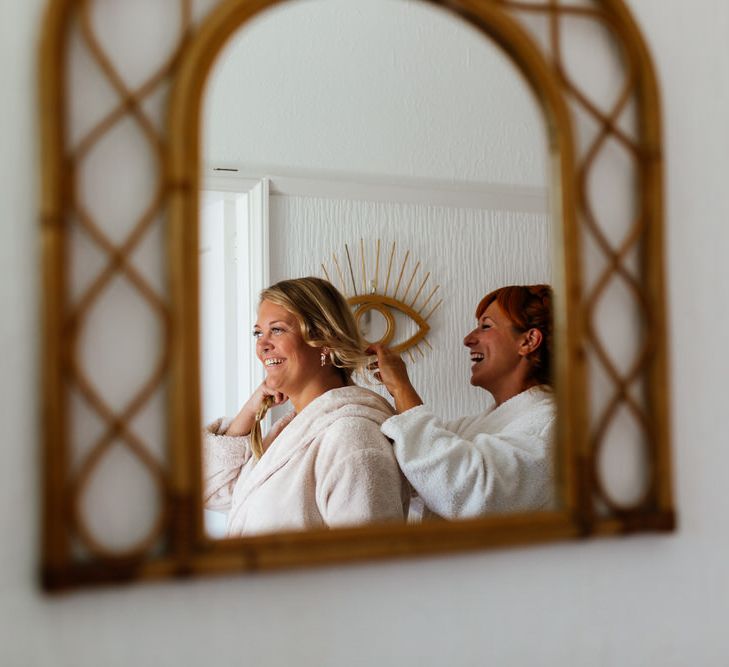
(392, 306)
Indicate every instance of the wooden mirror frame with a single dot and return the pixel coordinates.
(177, 545)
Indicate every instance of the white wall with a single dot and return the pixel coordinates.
(401, 89)
(637, 601)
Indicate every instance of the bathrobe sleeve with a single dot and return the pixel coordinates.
(461, 476)
(358, 480)
(225, 458)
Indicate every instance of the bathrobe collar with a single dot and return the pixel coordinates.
(517, 404)
(298, 431)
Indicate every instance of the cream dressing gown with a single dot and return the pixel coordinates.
(328, 466)
(497, 461)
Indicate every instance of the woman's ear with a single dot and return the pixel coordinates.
(531, 341)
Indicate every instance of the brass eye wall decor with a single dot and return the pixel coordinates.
(374, 297)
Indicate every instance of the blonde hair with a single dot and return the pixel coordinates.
(325, 320)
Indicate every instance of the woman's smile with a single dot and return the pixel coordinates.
(494, 350)
(477, 357)
(289, 362)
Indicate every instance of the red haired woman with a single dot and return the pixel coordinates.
(500, 459)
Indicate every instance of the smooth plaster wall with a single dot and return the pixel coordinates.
(648, 600)
(399, 89)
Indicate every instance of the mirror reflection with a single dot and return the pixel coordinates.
(398, 157)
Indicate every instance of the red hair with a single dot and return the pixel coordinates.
(528, 307)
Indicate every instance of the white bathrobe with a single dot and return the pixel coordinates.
(496, 461)
(328, 466)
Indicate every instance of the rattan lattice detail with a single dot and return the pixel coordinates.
(118, 264)
(608, 130)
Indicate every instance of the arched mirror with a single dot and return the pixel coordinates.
(415, 154)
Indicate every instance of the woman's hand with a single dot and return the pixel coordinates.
(390, 370)
(243, 422)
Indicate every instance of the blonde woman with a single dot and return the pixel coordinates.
(324, 464)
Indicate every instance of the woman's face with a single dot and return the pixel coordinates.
(290, 363)
(495, 346)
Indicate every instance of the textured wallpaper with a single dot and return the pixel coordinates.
(468, 252)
